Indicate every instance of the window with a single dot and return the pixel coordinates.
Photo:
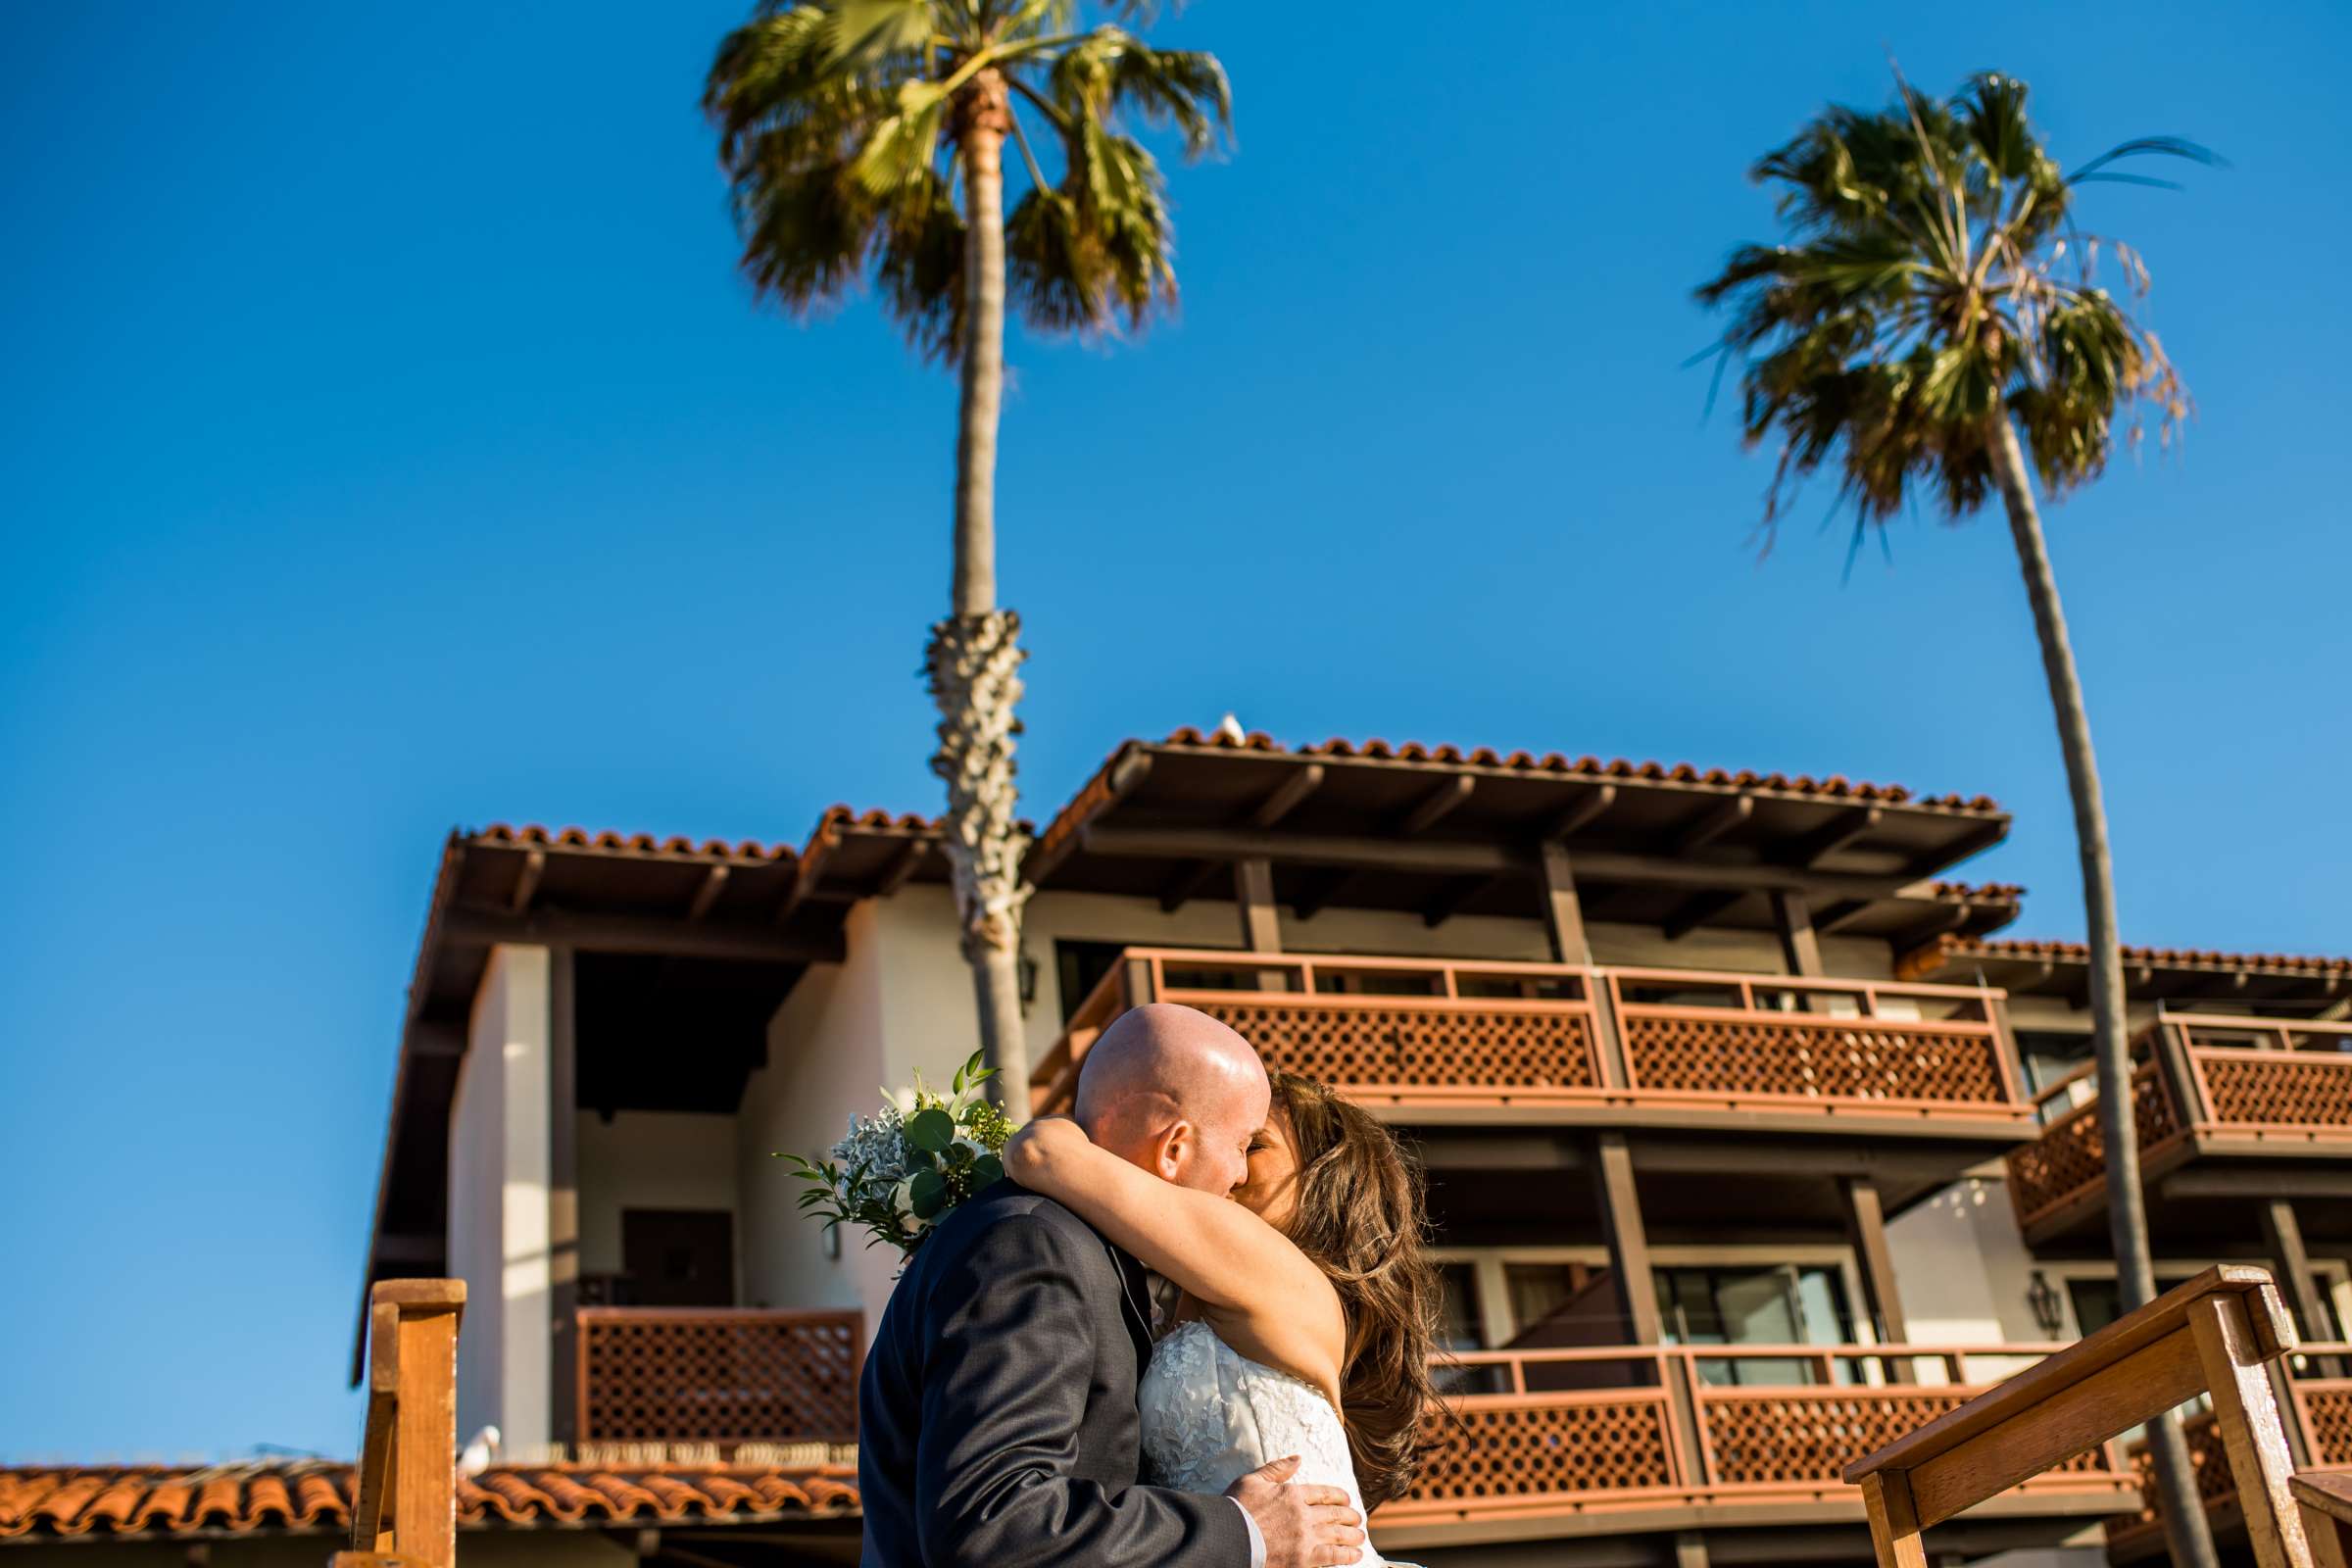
(1787, 1304)
(1460, 1329)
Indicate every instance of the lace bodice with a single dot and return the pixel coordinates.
(1211, 1415)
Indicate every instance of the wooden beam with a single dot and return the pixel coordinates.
(1837, 833)
(1948, 918)
(1254, 896)
(715, 882)
(1697, 909)
(2273, 1181)
(1321, 892)
(1712, 824)
(407, 1251)
(1866, 1233)
(563, 1190)
(527, 884)
(1437, 805)
(1588, 809)
(1284, 798)
(1122, 778)
(902, 866)
(1800, 948)
(626, 933)
(1689, 1549)
(1627, 1240)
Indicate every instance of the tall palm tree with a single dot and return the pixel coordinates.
(867, 138)
(1935, 318)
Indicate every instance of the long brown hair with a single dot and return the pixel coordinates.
(1359, 1216)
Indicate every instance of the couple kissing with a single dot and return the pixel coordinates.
(1016, 1409)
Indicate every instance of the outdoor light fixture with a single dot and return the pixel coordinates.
(833, 1243)
(1028, 969)
(2043, 1300)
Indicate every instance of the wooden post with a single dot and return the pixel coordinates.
(405, 1493)
(2283, 1237)
(1866, 1232)
(1563, 915)
(1689, 1549)
(1800, 949)
(2248, 1418)
(1627, 1240)
(562, 1192)
(2170, 1048)
(1136, 981)
(1894, 1520)
(1261, 923)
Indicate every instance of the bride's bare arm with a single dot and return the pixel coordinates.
(1267, 1298)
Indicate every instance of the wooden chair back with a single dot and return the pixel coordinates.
(405, 1499)
(2326, 1499)
(2213, 1336)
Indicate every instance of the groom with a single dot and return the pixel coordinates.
(996, 1423)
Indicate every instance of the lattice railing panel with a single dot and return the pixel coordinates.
(2071, 1153)
(2279, 1087)
(711, 1377)
(1460, 1046)
(1502, 1452)
(1829, 1058)
(2327, 1412)
(1785, 1437)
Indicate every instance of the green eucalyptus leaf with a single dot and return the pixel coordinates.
(986, 1170)
(929, 1193)
(931, 1131)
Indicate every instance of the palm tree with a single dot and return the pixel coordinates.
(1934, 319)
(866, 138)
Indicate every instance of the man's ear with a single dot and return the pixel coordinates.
(1175, 1150)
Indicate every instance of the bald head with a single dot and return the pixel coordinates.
(1172, 1090)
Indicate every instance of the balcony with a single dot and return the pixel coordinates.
(1620, 1441)
(735, 1385)
(1430, 1042)
(2318, 1407)
(2209, 1089)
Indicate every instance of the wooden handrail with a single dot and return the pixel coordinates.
(404, 1501)
(2213, 1335)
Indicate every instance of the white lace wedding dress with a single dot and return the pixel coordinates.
(1211, 1415)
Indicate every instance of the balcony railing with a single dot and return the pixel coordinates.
(1431, 1035)
(1592, 1431)
(722, 1379)
(2252, 1085)
(2318, 1409)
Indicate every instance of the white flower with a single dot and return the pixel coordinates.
(901, 1204)
(972, 1149)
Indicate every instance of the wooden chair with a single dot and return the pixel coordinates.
(2326, 1498)
(405, 1506)
(2211, 1336)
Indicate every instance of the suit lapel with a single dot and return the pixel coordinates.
(1134, 1305)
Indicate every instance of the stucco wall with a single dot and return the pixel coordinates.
(498, 1177)
(649, 1160)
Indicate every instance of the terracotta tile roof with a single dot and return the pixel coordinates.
(1979, 893)
(38, 1503)
(1835, 786)
(1947, 949)
(533, 835)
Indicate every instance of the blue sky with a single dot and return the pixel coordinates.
(388, 444)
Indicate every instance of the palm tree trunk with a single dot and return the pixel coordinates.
(974, 658)
(2186, 1529)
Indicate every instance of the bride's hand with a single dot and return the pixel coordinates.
(1031, 1154)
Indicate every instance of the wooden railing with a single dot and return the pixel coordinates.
(405, 1502)
(1581, 1431)
(2240, 1086)
(1432, 1034)
(2214, 1336)
(659, 1377)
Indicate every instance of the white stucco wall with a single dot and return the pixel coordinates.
(498, 1220)
(649, 1160)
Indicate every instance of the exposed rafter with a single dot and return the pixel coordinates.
(625, 933)
(1452, 898)
(1710, 824)
(1588, 809)
(903, 865)
(1426, 813)
(1279, 802)
(526, 882)
(715, 882)
(1984, 837)
(1697, 909)
(1839, 832)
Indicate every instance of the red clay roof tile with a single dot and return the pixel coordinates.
(2204, 957)
(308, 1495)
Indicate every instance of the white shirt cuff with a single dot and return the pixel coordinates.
(1257, 1541)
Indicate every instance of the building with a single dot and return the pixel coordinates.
(1749, 1146)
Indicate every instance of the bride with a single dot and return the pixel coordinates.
(1307, 1311)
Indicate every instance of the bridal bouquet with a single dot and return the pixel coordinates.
(898, 1172)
